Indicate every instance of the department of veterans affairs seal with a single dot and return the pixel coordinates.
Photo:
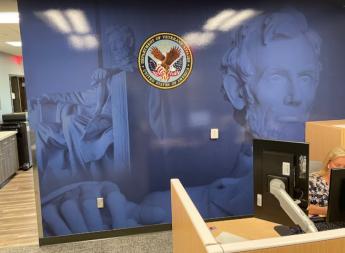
(165, 60)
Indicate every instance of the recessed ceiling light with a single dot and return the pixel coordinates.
(9, 17)
(14, 43)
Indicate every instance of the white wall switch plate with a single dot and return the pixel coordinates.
(258, 199)
(214, 134)
(100, 203)
(286, 169)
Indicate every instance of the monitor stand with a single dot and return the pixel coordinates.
(295, 213)
(283, 230)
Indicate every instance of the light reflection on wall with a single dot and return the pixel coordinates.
(74, 25)
(221, 22)
(213, 23)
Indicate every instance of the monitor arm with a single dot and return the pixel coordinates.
(277, 188)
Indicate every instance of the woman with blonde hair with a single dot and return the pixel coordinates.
(319, 182)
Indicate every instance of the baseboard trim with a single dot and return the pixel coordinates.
(119, 232)
(103, 234)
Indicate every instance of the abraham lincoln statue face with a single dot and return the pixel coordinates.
(121, 43)
(271, 73)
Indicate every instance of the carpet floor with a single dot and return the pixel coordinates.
(160, 242)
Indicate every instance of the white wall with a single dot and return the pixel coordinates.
(7, 67)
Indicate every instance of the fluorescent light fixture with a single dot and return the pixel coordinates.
(9, 17)
(14, 43)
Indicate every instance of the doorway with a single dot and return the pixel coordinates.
(18, 94)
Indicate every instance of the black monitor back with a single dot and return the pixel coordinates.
(288, 161)
(336, 198)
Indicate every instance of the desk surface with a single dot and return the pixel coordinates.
(6, 134)
(250, 228)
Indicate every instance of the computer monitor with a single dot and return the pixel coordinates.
(336, 198)
(288, 162)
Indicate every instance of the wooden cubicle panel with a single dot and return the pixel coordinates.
(189, 231)
(191, 234)
(322, 136)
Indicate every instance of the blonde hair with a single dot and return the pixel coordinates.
(332, 155)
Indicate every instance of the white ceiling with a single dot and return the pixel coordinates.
(9, 32)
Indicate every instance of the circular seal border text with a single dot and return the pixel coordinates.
(145, 72)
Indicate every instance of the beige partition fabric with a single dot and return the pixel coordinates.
(327, 246)
(331, 241)
(322, 136)
(190, 232)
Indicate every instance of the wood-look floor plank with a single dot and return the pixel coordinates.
(18, 221)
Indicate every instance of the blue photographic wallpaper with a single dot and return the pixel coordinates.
(122, 97)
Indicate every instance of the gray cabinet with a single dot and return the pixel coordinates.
(8, 158)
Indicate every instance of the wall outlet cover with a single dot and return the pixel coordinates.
(100, 203)
(214, 134)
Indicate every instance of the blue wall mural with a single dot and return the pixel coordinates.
(260, 70)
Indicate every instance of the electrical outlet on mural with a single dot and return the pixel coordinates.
(100, 203)
(214, 134)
